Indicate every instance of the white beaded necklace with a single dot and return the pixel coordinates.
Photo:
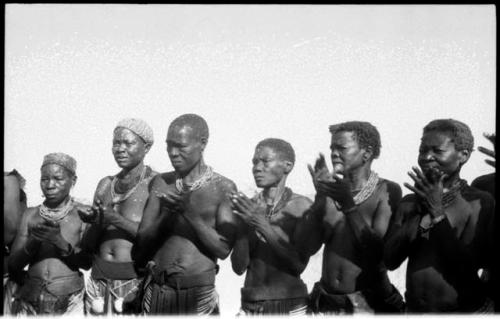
(56, 214)
(368, 189)
(118, 198)
(199, 183)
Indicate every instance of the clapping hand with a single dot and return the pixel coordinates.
(320, 170)
(47, 231)
(172, 201)
(250, 211)
(338, 189)
(429, 188)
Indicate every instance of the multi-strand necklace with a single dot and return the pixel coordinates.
(56, 214)
(272, 208)
(118, 198)
(367, 189)
(448, 197)
(197, 184)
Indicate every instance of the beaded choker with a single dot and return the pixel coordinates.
(368, 189)
(118, 198)
(55, 214)
(448, 197)
(197, 184)
(277, 205)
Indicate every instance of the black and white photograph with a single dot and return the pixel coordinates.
(249, 159)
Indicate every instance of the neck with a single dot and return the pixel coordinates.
(357, 178)
(271, 194)
(451, 180)
(57, 204)
(195, 173)
(131, 173)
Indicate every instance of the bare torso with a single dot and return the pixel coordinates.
(427, 288)
(342, 256)
(116, 244)
(47, 264)
(181, 251)
(266, 268)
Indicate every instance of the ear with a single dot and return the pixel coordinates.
(463, 156)
(288, 166)
(73, 180)
(147, 147)
(368, 154)
(203, 141)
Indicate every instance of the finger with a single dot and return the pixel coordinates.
(490, 162)
(420, 175)
(490, 137)
(415, 190)
(311, 171)
(441, 178)
(486, 151)
(416, 179)
(322, 161)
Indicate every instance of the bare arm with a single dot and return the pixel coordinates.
(25, 247)
(309, 234)
(219, 240)
(156, 224)
(402, 232)
(12, 208)
(240, 256)
(252, 214)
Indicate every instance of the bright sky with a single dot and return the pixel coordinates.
(252, 71)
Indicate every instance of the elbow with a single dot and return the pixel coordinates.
(222, 254)
(238, 269)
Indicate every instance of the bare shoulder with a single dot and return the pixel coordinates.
(11, 181)
(298, 204)
(30, 212)
(223, 183)
(389, 186)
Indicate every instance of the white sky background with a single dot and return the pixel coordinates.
(252, 71)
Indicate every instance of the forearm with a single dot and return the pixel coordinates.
(150, 235)
(285, 252)
(216, 244)
(240, 256)
(396, 247)
(22, 255)
(125, 224)
(309, 232)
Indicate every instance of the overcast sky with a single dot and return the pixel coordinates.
(252, 71)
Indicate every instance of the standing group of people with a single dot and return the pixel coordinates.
(152, 240)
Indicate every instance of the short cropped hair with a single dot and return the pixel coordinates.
(459, 133)
(282, 147)
(365, 134)
(194, 121)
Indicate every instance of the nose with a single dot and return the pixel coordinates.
(51, 183)
(427, 156)
(173, 151)
(257, 167)
(334, 154)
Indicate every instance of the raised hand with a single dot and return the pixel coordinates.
(320, 170)
(488, 152)
(338, 189)
(250, 211)
(172, 201)
(429, 188)
(87, 214)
